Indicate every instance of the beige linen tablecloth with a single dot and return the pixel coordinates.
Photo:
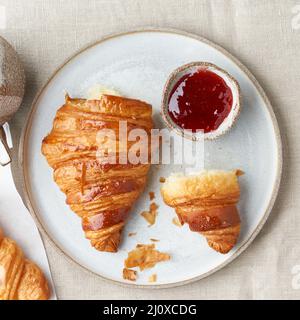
(265, 36)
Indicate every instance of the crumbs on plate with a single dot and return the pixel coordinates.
(152, 278)
(151, 195)
(129, 274)
(176, 221)
(150, 215)
(131, 234)
(145, 256)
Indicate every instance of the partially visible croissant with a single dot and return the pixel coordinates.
(20, 279)
(207, 202)
(101, 193)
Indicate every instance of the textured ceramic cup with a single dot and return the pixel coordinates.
(192, 67)
(12, 84)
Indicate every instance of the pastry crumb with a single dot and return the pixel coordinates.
(153, 207)
(131, 234)
(145, 256)
(151, 195)
(129, 274)
(162, 180)
(154, 240)
(176, 221)
(150, 215)
(239, 172)
(152, 278)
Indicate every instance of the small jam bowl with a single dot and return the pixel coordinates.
(192, 67)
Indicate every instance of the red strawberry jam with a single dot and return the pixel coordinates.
(200, 100)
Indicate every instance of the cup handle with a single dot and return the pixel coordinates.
(5, 153)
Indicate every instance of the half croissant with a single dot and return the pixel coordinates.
(99, 191)
(207, 203)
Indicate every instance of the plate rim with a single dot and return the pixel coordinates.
(269, 109)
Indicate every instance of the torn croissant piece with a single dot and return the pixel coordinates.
(99, 191)
(20, 279)
(207, 203)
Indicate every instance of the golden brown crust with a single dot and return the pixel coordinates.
(208, 218)
(20, 279)
(33, 285)
(223, 239)
(106, 239)
(207, 203)
(101, 193)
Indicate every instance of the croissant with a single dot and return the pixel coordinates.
(100, 192)
(207, 203)
(20, 279)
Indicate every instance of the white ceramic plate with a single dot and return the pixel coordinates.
(137, 64)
